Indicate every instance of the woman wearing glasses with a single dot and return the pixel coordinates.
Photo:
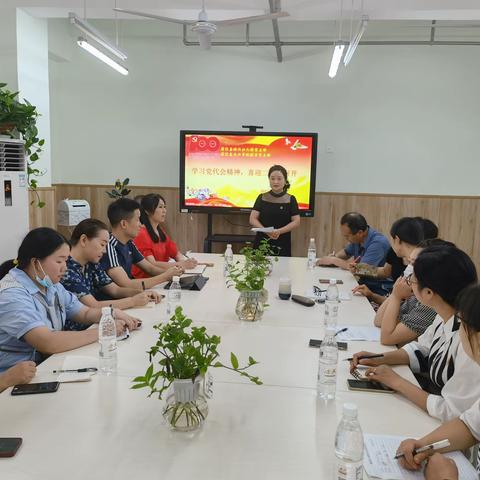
(453, 380)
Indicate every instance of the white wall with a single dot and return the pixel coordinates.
(33, 82)
(399, 119)
(8, 48)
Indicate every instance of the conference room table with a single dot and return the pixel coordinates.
(279, 430)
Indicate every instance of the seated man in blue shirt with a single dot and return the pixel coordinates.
(124, 217)
(366, 245)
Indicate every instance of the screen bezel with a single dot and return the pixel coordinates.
(225, 210)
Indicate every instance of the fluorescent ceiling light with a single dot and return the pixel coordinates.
(356, 40)
(336, 58)
(93, 33)
(101, 56)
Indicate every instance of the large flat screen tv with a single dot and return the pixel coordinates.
(223, 172)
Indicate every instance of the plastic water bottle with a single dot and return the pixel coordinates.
(311, 254)
(174, 295)
(331, 305)
(228, 259)
(327, 367)
(107, 337)
(349, 446)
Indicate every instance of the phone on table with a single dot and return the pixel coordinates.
(368, 386)
(9, 446)
(316, 343)
(31, 388)
(327, 280)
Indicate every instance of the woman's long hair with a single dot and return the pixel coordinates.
(148, 205)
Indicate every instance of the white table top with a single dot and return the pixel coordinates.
(103, 429)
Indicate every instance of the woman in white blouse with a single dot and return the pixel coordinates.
(440, 274)
(462, 432)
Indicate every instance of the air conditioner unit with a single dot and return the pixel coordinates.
(13, 197)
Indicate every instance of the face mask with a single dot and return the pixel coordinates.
(45, 281)
(408, 270)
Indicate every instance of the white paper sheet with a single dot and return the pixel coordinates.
(198, 270)
(379, 461)
(73, 362)
(370, 334)
(263, 229)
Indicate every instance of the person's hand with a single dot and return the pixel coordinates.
(140, 299)
(369, 362)
(22, 372)
(401, 289)
(362, 290)
(130, 322)
(120, 326)
(409, 461)
(174, 271)
(154, 296)
(384, 374)
(441, 467)
(188, 263)
(328, 260)
(274, 235)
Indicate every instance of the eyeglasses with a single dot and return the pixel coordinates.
(410, 280)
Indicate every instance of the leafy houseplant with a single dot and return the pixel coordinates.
(120, 189)
(249, 279)
(186, 353)
(20, 119)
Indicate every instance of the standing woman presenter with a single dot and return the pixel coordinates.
(277, 209)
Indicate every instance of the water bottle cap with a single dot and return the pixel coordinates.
(229, 245)
(350, 410)
(312, 239)
(176, 279)
(333, 281)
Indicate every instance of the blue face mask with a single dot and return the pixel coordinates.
(45, 281)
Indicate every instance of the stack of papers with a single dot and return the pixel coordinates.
(368, 334)
(379, 461)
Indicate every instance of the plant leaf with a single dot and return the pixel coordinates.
(234, 360)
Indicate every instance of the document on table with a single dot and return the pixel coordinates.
(73, 362)
(198, 270)
(263, 229)
(379, 461)
(370, 334)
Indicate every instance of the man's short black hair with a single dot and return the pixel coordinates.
(121, 209)
(354, 221)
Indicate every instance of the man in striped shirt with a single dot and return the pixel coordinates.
(122, 254)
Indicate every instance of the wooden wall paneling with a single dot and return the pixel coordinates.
(45, 216)
(457, 217)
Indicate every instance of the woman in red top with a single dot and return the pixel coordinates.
(152, 241)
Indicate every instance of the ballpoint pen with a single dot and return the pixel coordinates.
(79, 370)
(365, 357)
(433, 446)
(340, 331)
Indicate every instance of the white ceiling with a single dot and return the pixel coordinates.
(457, 10)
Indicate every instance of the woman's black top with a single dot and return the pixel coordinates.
(276, 211)
(397, 264)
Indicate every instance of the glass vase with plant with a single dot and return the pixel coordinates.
(180, 359)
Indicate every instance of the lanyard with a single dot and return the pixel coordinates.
(52, 310)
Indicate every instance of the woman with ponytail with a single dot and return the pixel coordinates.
(276, 209)
(34, 306)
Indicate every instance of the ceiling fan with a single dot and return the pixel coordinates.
(203, 27)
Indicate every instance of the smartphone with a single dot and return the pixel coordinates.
(31, 388)
(317, 343)
(327, 280)
(367, 386)
(9, 446)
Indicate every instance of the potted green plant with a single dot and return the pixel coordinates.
(249, 279)
(120, 189)
(185, 354)
(17, 120)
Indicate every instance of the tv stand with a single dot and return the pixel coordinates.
(222, 237)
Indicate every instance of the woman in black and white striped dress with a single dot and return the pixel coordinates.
(462, 432)
(440, 274)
